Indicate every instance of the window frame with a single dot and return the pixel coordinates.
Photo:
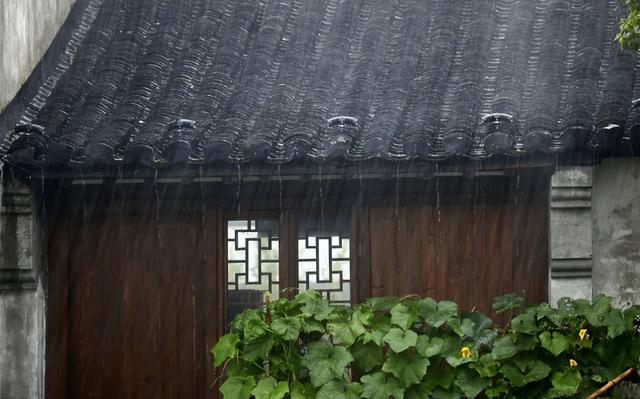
(288, 222)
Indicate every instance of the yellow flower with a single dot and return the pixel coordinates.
(583, 334)
(465, 352)
(573, 363)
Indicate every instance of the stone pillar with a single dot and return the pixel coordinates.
(22, 302)
(570, 235)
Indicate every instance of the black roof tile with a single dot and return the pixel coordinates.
(164, 81)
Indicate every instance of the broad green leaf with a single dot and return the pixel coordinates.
(441, 393)
(524, 324)
(367, 356)
(302, 391)
(408, 367)
(375, 336)
(258, 347)
(485, 340)
(436, 313)
(452, 346)
(269, 388)
(497, 389)
(526, 342)
(338, 389)
(251, 323)
(326, 362)
(555, 342)
(311, 325)
(440, 375)
(464, 327)
(486, 366)
(237, 387)
(346, 332)
(504, 348)
(507, 302)
(400, 340)
(403, 316)
(614, 320)
(433, 347)
(314, 304)
(481, 323)
(364, 314)
(471, 383)
(382, 303)
(422, 344)
(565, 383)
(421, 391)
(524, 371)
(597, 310)
(380, 386)
(545, 311)
(239, 367)
(225, 348)
(288, 328)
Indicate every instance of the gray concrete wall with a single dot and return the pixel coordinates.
(27, 28)
(616, 229)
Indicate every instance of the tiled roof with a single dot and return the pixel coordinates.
(162, 81)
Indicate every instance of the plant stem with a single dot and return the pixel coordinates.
(609, 385)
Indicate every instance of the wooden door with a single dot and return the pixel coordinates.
(133, 308)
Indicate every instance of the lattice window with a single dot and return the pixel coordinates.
(324, 261)
(253, 255)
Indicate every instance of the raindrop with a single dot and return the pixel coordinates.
(202, 208)
(321, 193)
(43, 204)
(438, 193)
(239, 186)
(397, 199)
(360, 193)
(85, 212)
(517, 196)
(155, 187)
(1, 194)
(280, 194)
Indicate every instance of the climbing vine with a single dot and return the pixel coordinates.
(416, 348)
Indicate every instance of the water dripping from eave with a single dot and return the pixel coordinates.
(203, 217)
(239, 188)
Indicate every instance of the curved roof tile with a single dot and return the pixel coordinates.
(178, 81)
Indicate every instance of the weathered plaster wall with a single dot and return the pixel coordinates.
(22, 302)
(22, 347)
(27, 27)
(616, 229)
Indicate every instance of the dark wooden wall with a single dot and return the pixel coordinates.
(133, 306)
(136, 292)
(468, 254)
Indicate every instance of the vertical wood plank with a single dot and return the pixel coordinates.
(56, 372)
(363, 274)
(383, 252)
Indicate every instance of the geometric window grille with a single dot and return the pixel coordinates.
(253, 256)
(323, 259)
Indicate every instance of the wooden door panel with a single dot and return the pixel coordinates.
(465, 253)
(137, 319)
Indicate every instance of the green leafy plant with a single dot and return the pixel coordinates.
(629, 32)
(416, 348)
